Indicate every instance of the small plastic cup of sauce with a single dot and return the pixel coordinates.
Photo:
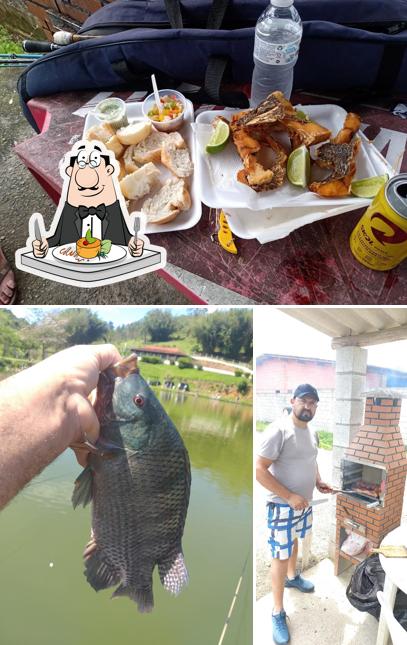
(112, 111)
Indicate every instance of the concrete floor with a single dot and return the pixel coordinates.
(21, 196)
(324, 617)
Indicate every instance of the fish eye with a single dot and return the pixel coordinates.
(138, 400)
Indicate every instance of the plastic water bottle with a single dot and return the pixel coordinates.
(276, 45)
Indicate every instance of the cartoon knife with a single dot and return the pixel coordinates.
(37, 229)
(137, 223)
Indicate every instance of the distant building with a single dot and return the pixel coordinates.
(277, 377)
(165, 353)
(277, 373)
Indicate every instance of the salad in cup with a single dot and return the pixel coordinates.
(169, 115)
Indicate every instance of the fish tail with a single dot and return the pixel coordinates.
(173, 573)
(143, 597)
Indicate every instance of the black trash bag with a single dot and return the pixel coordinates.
(367, 580)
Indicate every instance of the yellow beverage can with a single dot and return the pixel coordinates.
(379, 240)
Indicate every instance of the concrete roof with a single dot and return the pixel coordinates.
(353, 325)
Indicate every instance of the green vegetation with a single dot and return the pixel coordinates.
(162, 372)
(226, 334)
(325, 439)
(159, 324)
(7, 44)
(185, 363)
(243, 387)
(23, 343)
(153, 360)
(261, 425)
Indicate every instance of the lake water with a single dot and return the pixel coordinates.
(45, 598)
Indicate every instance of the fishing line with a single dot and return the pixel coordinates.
(239, 628)
(232, 606)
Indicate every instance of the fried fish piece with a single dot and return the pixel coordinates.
(253, 173)
(277, 114)
(305, 133)
(339, 155)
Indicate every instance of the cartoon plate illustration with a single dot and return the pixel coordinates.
(92, 240)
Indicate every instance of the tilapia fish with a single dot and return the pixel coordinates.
(138, 480)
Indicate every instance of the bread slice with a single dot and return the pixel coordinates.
(134, 132)
(101, 132)
(177, 160)
(122, 171)
(115, 146)
(140, 182)
(150, 148)
(170, 200)
(129, 164)
(174, 138)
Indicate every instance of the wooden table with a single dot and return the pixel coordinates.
(396, 577)
(313, 265)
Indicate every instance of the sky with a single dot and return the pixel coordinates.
(278, 333)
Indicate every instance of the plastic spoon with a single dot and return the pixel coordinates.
(156, 94)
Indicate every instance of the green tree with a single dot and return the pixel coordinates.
(59, 329)
(159, 324)
(82, 326)
(227, 333)
(12, 341)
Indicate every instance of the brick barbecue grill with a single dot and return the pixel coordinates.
(373, 477)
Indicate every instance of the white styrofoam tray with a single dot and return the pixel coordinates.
(220, 188)
(186, 219)
(276, 223)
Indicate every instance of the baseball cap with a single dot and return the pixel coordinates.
(304, 389)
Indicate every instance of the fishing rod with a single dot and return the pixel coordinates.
(232, 606)
(60, 39)
(17, 60)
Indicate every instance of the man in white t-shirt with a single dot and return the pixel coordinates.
(287, 467)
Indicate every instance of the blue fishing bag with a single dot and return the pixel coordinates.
(346, 45)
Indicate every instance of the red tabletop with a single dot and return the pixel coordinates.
(313, 265)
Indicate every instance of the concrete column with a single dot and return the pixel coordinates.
(349, 405)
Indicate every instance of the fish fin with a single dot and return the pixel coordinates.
(143, 597)
(173, 573)
(99, 573)
(82, 492)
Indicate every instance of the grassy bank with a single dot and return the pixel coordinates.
(204, 383)
(160, 372)
(8, 45)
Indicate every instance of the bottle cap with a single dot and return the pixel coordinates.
(282, 3)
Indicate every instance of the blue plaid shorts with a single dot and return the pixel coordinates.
(285, 525)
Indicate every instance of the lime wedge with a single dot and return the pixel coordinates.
(369, 187)
(219, 138)
(299, 167)
(301, 115)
